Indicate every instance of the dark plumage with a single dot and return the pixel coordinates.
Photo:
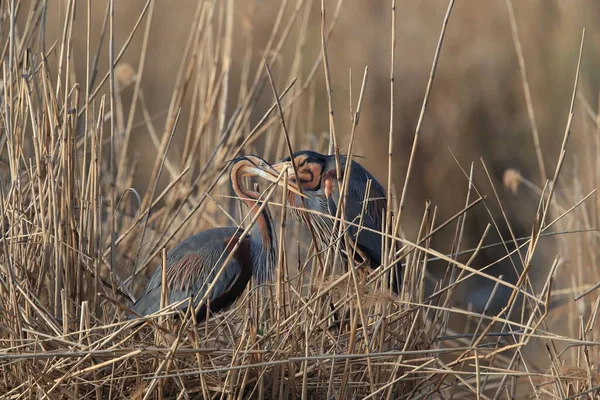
(318, 179)
(191, 264)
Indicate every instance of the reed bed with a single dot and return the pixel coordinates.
(78, 240)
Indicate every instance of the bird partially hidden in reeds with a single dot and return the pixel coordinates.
(194, 264)
(318, 179)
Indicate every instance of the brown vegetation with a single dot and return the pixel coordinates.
(101, 169)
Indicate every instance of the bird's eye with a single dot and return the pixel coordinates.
(262, 164)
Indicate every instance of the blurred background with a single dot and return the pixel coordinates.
(477, 109)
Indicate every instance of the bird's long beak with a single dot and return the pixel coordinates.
(274, 176)
(279, 167)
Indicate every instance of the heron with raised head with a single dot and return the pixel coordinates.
(194, 264)
(318, 179)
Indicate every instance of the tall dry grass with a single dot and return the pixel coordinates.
(79, 236)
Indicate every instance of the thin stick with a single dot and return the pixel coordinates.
(388, 218)
(524, 80)
(291, 154)
(164, 295)
(567, 134)
(113, 138)
(423, 108)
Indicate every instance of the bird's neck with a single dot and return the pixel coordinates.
(264, 240)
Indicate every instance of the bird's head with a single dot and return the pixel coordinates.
(310, 167)
(251, 165)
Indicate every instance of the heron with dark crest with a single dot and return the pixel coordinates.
(194, 264)
(318, 179)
